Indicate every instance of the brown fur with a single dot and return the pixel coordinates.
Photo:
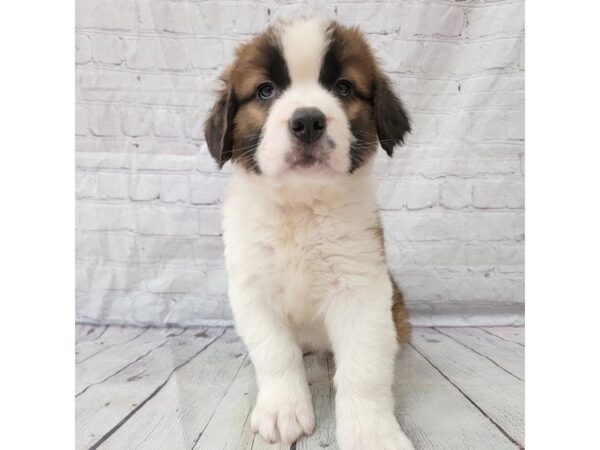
(234, 125)
(373, 86)
(253, 63)
(349, 57)
(400, 315)
(375, 113)
(399, 311)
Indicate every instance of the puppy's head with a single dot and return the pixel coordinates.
(304, 100)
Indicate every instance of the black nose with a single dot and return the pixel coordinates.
(307, 124)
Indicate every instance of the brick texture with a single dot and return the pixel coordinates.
(148, 237)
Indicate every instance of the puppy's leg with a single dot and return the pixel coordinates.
(361, 329)
(283, 410)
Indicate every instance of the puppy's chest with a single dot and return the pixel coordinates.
(303, 247)
(298, 256)
(313, 254)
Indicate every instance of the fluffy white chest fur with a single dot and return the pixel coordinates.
(302, 249)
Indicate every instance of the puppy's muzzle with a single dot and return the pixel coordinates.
(307, 125)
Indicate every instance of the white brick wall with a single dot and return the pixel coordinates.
(148, 194)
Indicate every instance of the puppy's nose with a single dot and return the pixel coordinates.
(307, 124)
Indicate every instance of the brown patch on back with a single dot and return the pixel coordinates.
(378, 232)
(399, 311)
(400, 315)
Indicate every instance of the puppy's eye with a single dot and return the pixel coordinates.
(265, 91)
(343, 87)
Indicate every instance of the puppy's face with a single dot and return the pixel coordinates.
(304, 100)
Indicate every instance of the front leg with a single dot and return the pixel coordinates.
(283, 410)
(360, 326)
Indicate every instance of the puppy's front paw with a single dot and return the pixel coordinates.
(382, 433)
(283, 413)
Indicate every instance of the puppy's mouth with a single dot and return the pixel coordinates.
(305, 161)
(308, 156)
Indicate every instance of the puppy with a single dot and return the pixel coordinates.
(301, 113)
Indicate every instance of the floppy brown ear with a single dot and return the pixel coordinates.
(391, 119)
(218, 128)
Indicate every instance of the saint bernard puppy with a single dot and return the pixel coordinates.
(300, 115)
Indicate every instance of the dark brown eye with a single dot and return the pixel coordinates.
(265, 91)
(343, 88)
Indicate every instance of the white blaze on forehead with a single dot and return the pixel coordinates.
(304, 45)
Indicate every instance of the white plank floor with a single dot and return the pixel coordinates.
(152, 388)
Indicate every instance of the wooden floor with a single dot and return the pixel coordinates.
(149, 388)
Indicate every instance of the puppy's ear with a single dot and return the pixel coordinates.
(391, 119)
(218, 128)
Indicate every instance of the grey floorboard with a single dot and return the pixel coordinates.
(455, 388)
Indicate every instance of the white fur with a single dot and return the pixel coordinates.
(304, 45)
(307, 272)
